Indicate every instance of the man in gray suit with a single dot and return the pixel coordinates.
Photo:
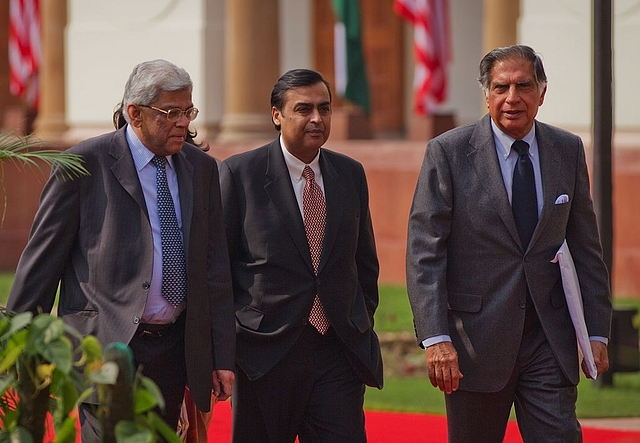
(297, 376)
(488, 303)
(103, 238)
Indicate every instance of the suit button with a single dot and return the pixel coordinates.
(318, 281)
(305, 321)
(523, 304)
(136, 320)
(146, 285)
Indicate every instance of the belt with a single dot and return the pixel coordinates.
(148, 330)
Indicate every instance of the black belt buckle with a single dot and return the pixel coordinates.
(152, 330)
(151, 334)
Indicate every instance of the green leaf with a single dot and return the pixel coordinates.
(167, 432)
(14, 349)
(59, 352)
(65, 391)
(85, 395)
(149, 385)
(6, 382)
(107, 375)
(143, 401)
(26, 150)
(67, 432)
(17, 322)
(20, 435)
(128, 432)
(45, 328)
(92, 349)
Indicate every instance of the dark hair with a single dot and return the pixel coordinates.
(294, 78)
(522, 52)
(119, 121)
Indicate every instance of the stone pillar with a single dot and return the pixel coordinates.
(499, 27)
(500, 24)
(251, 69)
(50, 123)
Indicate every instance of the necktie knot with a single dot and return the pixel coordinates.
(521, 147)
(159, 161)
(308, 173)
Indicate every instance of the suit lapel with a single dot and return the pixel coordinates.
(184, 172)
(484, 160)
(124, 169)
(550, 165)
(278, 188)
(335, 200)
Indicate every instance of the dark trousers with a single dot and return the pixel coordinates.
(543, 397)
(312, 393)
(162, 359)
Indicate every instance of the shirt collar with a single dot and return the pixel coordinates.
(295, 165)
(504, 141)
(140, 153)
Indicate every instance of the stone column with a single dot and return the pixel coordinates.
(50, 123)
(500, 24)
(499, 27)
(252, 64)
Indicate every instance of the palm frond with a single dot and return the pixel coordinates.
(26, 150)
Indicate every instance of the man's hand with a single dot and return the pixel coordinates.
(442, 363)
(222, 384)
(600, 356)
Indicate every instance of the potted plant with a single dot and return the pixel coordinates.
(47, 367)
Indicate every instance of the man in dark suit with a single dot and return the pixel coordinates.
(295, 377)
(488, 303)
(102, 237)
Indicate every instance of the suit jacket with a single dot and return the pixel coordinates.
(273, 278)
(93, 235)
(466, 268)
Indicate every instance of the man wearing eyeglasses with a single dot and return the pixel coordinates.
(139, 247)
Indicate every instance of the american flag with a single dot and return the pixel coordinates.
(430, 20)
(24, 49)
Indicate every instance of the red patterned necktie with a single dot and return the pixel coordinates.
(314, 215)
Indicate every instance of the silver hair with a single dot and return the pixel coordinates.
(521, 52)
(149, 79)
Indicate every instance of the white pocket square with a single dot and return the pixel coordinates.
(563, 198)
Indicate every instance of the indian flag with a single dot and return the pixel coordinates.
(350, 75)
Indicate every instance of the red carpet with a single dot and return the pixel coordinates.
(394, 427)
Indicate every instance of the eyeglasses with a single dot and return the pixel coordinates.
(173, 115)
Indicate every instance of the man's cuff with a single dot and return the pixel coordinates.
(604, 340)
(434, 340)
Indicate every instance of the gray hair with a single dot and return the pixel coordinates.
(149, 79)
(518, 52)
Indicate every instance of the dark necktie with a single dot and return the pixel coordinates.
(174, 276)
(314, 216)
(524, 203)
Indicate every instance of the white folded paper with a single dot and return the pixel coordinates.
(572, 292)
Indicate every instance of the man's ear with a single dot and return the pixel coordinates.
(275, 116)
(135, 115)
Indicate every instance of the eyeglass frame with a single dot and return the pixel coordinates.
(182, 112)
